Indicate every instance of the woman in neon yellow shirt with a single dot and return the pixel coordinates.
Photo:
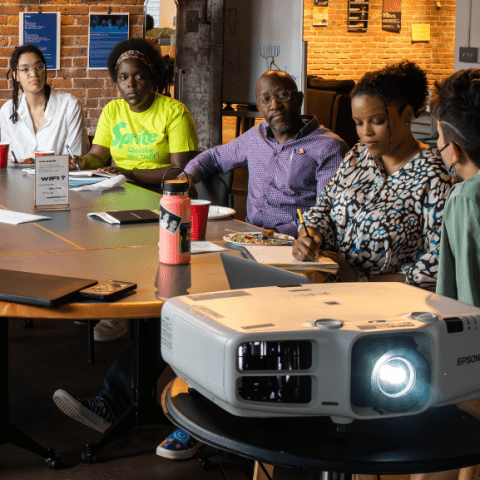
(145, 133)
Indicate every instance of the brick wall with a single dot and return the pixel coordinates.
(93, 88)
(334, 52)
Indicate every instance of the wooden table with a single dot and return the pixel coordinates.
(73, 244)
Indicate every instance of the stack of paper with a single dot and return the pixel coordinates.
(15, 218)
(281, 257)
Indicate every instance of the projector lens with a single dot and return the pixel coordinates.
(395, 377)
(389, 374)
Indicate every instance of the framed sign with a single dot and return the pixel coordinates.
(43, 31)
(320, 13)
(421, 32)
(358, 15)
(104, 32)
(392, 15)
(51, 183)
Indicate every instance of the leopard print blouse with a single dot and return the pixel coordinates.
(385, 224)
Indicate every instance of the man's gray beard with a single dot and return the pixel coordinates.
(282, 127)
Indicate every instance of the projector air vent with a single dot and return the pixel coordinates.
(275, 355)
(276, 389)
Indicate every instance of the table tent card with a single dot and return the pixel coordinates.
(51, 183)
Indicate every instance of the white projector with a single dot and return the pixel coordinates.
(348, 351)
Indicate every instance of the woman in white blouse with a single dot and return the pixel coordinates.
(380, 215)
(41, 119)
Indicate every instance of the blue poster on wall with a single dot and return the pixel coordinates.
(43, 31)
(104, 32)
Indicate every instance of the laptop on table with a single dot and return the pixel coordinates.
(39, 289)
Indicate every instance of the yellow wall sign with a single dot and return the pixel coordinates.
(421, 32)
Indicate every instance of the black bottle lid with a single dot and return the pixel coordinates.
(175, 186)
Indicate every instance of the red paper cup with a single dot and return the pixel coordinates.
(199, 213)
(4, 154)
(43, 154)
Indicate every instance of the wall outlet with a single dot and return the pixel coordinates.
(468, 54)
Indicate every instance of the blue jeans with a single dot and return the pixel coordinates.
(118, 393)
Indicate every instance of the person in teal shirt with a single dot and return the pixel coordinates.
(456, 107)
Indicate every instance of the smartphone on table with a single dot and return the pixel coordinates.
(109, 290)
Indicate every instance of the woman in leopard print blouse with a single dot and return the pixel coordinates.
(380, 215)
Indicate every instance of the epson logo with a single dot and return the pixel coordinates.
(469, 359)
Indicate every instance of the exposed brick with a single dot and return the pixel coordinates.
(75, 30)
(101, 93)
(80, 62)
(88, 82)
(333, 52)
(332, 48)
(61, 83)
(103, 101)
(73, 51)
(94, 112)
(10, 10)
(92, 103)
(132, 9)
(76, 92)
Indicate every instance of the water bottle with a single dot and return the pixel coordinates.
(174, 222)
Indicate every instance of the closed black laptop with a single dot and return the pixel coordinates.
(39, 289)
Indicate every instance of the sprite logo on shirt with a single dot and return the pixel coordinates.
(142, 138)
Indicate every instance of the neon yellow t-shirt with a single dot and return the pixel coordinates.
(145, 140)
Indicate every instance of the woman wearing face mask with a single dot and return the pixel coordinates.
(380, 215)
(456, 106)
(145, 133)
(40, 119)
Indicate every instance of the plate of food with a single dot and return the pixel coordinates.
(265, 237)
(215, 212)
(27, 161)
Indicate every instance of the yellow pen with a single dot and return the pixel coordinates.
(302, 222)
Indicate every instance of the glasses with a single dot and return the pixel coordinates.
(38, 68)
(443, 148)
(282, 97)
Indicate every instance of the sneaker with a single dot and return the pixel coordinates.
(109, 330)
(92, 412)
(178, 446)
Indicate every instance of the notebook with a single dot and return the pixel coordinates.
(90, 173)
(242, 273)
(39, 289)
(280, 256)
(125, 217)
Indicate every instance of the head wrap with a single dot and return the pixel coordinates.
(136, 55)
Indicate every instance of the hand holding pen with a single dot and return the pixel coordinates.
(307, 246)
(73, 159)
(302, 223)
